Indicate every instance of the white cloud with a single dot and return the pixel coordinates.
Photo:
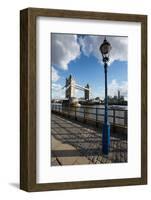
(65, 48)
(57, 91)
(90, 46)
(114, 86)
(55, 75)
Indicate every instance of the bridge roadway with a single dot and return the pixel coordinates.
(74, 143)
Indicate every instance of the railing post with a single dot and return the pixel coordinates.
(61, 109)
(113, 117)
(75, 116)
(125, 117)
(96, 115)
(84, 113)
(68, 112)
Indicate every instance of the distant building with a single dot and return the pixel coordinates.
(115, 97)
(119, 94)
(117, 100)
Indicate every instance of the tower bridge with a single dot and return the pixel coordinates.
(71, 86)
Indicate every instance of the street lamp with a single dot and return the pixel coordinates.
(105, 49)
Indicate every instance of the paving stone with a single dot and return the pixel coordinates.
(76, 143)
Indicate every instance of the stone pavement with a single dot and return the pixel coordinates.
(74, 143)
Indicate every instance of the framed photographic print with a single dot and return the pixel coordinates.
(83, 99)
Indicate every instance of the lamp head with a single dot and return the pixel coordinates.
(105, 49)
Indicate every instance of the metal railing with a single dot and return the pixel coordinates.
(116, 117)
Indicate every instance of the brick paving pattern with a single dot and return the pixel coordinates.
(74, 143)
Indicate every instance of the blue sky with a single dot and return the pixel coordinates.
(79, 55)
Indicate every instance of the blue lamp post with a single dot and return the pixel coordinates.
(105, 48)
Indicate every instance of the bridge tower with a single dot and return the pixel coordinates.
(70, 85)
(87, 92)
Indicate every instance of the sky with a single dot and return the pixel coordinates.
(79, 55)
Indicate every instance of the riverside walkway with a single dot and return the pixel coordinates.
(74, 143)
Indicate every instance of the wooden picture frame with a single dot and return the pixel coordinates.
(28, 98)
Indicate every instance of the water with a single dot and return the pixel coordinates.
(110, 106)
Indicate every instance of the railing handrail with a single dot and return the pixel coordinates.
(59, 107)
